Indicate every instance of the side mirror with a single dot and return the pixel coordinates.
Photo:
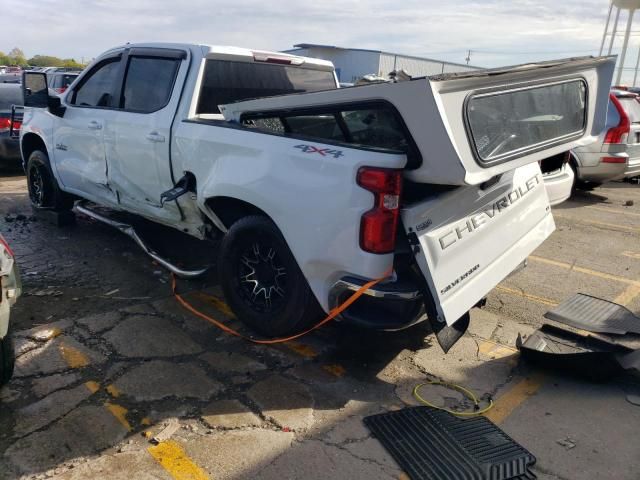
(34, 89)
(54, 104)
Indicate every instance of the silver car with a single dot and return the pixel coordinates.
(10, 290)
(616, 153)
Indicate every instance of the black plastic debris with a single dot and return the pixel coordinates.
(595, 315)
(561, 350)
(433, 444)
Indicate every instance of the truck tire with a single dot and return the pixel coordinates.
(261, 279)
(44, 192)
(7, 359)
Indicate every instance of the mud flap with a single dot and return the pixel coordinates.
(448, 335)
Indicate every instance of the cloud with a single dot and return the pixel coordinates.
(496, 31)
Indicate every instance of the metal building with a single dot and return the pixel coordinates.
(353, 63)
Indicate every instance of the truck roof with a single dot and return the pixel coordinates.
(217, 51)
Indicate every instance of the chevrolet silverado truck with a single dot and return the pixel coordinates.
(314, 190)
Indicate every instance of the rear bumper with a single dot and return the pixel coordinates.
(633, 167)
(598, 171)
(386, 306)
(558, 185)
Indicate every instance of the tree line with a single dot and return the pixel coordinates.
(17, 57)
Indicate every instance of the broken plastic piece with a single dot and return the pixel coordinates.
(595, 315)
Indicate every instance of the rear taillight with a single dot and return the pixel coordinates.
(6, 245)
(5, 124)
(60, 89)
(379, 225)
(613, 160)
(614, 135)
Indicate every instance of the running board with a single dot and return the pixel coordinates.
(130, 232)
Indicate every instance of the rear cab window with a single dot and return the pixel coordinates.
(226, 81)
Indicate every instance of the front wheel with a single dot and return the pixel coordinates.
(261, 279)
(44, 192)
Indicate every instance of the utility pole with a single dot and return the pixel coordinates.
(468, 59)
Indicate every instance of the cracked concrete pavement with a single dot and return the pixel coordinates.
(108, 359)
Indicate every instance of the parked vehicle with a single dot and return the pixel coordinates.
(558, 178)
(10, 94)
(432, 183)
(10, 290)
(59, 81)
(616, 152)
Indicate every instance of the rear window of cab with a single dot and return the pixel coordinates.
(231, 81)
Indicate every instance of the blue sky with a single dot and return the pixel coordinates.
(497, 32)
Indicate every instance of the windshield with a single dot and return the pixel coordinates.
(227, 82)
(632, 107)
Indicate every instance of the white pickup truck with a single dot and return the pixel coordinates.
(312, 189)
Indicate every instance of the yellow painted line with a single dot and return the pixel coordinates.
(495, 350)
(216, 302)
(514, 397)
(176, 462)
(92, 386)
(588, 271)
(335, 370)
(613, 210)
(50, 333)
(113, 391)
(610, 226)
(627, 296)
(120, 413)
(302, 349)
(632, 255)
(528, 296)
(74, 357)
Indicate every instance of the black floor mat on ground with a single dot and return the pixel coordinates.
(432, 444)
(595, 315)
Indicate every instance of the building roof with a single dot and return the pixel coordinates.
(301, 46)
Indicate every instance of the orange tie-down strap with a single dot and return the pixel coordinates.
(332, 314)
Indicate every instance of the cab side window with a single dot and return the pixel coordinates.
(96, 89)
(148, 83)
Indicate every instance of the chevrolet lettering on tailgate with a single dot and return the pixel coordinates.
(476, 221)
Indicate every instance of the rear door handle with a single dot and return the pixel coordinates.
(155, 137)
(93, 125)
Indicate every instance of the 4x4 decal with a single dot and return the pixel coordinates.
(322, 151)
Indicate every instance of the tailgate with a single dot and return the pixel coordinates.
(470, 239)
(472, 126)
